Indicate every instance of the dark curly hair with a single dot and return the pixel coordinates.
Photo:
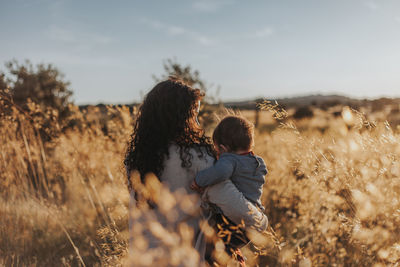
(167, 116)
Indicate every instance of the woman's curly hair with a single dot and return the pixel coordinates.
(167, 116)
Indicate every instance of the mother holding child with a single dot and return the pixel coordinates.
(219, 181)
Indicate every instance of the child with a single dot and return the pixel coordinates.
(233, 139)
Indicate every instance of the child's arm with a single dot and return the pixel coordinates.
(220, 171)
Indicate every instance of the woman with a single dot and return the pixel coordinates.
(168, 142)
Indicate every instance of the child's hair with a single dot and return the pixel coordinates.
(234, 132)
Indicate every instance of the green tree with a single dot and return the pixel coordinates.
(43, 84)
(190, 76)
(3, 82)
(186, 73)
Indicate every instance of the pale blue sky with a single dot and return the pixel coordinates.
(110, 49)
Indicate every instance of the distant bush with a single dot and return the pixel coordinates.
(191, 76)
(40, 91)
(303, 112)
(42, 84)
(327, 104)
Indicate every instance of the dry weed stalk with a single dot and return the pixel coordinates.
(331, 196)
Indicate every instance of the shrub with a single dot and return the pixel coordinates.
(303, 112)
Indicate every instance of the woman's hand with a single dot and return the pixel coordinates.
(235, 206)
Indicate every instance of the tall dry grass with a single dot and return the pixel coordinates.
(334, 196)
(332, 193)
(64, 201)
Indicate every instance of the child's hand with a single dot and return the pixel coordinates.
(194, 186)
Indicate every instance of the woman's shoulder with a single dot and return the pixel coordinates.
(195, 152)
(176, 173)
(198, 155)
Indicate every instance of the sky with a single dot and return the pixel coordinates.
(109, 50)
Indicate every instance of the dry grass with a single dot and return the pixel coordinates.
(332, 193)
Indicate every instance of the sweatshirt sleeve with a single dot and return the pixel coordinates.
(220, 171)
(235, 206)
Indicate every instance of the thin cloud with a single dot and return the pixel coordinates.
(31, 3)
(173, 30)
(266, 32)
(372, 5)
(210, 5)
(77, 38)
(204, 40)
(262, 33)
(70, 58)
(167, 29)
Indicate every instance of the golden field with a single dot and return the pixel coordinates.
(332, 193)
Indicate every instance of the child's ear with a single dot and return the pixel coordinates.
(223, 148)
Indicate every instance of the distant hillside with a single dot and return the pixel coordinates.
(320, 101)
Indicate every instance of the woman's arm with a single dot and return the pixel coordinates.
(235, 206)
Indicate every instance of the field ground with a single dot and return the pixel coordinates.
(332, 192)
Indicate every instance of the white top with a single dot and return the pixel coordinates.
(186, 209)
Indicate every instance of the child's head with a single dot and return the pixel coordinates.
(235, 133)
